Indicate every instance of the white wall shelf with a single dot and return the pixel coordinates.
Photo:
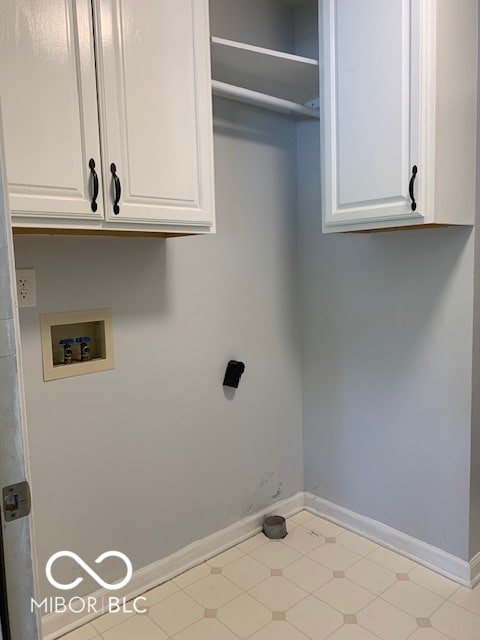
(272, 79)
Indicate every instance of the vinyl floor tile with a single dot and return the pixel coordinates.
(319, 583)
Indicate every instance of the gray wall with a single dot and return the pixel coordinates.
(264, 23)
(475, 438)
(387, 350)
(153, 455)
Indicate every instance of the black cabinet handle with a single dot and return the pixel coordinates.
(411, 185)
(117, 189)
(93, 173)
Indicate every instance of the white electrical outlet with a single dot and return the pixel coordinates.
(26, 287)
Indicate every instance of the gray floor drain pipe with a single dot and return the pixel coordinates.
(275, 527)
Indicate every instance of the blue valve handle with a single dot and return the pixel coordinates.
(84, 340)
(66, 341)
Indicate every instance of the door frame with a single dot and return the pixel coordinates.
(18, 557)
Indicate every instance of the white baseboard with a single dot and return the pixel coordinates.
(463, 572)
(57, 624)
(475, 570)
(429, 556)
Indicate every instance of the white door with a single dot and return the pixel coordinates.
(18, 621)
(154, 67)
(47, 80)
(370, 121)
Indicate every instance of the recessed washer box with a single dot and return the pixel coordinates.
(76, 342)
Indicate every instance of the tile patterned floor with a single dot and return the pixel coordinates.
(321, 582)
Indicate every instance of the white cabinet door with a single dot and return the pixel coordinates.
(155, 115)
(47, 84)
(371, 107)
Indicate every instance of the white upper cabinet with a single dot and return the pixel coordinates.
(398, 113)
(49, 104)
(129, 78)
(154, 71)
